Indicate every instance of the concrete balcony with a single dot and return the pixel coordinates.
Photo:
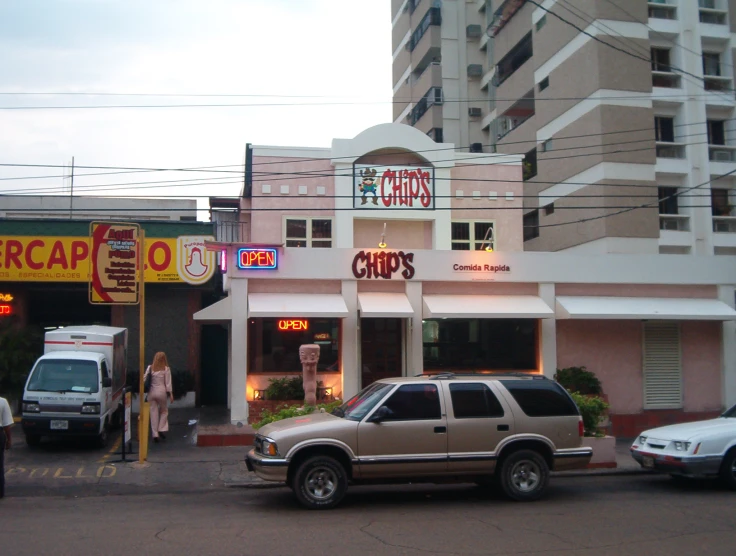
(724, 231)
(672, 158)
(674, 223)
(431, 76)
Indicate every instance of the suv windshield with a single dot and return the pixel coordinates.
(359, 405)
(64, 376)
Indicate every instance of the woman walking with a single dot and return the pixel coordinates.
(159, 394)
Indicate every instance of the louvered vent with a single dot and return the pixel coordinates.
(662, 366)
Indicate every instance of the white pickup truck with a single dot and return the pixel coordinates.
(75, 388)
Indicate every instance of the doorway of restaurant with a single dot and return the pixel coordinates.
(213, 388)
(380, 348)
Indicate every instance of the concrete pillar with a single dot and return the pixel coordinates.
(350, 346)
(414, 343)
(548, 334)
(727, 294)
(239, 352)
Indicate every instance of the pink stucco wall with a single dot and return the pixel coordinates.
(508, 215)
(294, 286)
(269, 210)
(637, 290)
(613, 351)
(400, 234)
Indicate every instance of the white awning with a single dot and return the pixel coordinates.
(220, 311)
(296, 305)
(486, 306)
(643, 308)
(384, 305)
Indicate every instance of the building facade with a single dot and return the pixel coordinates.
(397, 258)
(614, 106)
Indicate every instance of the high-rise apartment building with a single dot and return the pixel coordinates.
(616, 104)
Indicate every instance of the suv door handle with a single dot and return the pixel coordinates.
(440, 430)
(502, 427)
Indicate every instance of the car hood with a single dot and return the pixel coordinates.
(314, 421)
(685, 431)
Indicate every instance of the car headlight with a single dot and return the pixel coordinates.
(642, 439)
(269, 448)
(682, 446)
(93, 408)
(31, 407)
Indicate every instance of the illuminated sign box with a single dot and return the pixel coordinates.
(6, 310)
(257, 259)
(293, 325)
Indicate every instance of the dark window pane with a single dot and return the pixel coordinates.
(460, 246)
(321, 243)
(667, 203)
(461, 230)
(321, 229)
(541, 398)
(296, 243)
(473, 401)
(481, 229)
(480, 344)
(716, 132)
(296, 228)
(531, 225)
(664, 129)
(414, 402)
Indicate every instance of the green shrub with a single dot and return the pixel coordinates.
(592, 409)
(287, 389)
(19, 349)
(286, 412)
(579, 379)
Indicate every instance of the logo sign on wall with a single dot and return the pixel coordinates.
(383, 264)
(393, 187)
(114, 258)
(194, 263)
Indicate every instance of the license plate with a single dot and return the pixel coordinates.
(647, 462)
(59, 425)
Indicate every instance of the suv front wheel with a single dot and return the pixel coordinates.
(320, 483)
(524, 475)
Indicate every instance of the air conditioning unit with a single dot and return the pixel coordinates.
(475, 70)
(474, 112)
(722, 156)
(476, 147)
(473, 31)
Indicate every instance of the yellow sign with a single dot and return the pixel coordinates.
(114, 260)
(66, 259)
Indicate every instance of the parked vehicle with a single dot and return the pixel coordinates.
(445, 428)
(699, 449)
(75, 388)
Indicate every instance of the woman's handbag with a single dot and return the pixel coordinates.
(147, 381)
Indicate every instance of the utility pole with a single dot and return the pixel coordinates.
(71, 193)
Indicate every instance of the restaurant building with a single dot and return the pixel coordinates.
(399, 256)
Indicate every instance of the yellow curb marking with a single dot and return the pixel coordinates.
(112, 451)
(103, 472)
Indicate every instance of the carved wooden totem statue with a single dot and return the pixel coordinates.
(309, 356)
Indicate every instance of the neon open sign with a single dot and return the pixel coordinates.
(6, 310)
(293, 325)
(258, 259)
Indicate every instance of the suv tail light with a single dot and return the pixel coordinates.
(581, 428)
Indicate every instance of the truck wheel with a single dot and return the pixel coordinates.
(728, 470)
(33, 439)
(524, 476)
(102, 438)
(320, 483)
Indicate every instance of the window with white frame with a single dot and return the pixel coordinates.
(308, 232)
(662, 366)
(473, 236)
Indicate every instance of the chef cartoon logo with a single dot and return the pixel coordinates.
(194, 263)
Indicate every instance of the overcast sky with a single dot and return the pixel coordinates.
(335, 51)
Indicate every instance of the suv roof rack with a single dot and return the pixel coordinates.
(451, 375)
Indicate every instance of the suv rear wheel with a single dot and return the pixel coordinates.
(524, 475)
(320, 483)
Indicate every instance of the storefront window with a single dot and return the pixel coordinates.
(480, 344)
(273, 344)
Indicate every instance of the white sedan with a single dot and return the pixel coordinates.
(699, 449)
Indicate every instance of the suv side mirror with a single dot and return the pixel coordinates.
(106, 382)
(381, 414)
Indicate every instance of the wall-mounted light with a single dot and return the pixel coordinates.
(324, 393)
(382, 243)
(486, 238)
(259, 395)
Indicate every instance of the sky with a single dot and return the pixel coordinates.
(332, 54)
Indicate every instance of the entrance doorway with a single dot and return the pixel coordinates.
(213, 390)
(380, 349)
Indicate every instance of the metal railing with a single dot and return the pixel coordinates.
(670, 150)
(674, 222)
(724, 224)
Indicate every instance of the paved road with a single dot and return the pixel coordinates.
(589, 516)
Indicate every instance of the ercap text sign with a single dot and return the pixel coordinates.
(257, 259)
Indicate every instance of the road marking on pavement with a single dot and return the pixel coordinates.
(102, 472)
(113, 450)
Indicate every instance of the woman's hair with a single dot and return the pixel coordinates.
(159, 362)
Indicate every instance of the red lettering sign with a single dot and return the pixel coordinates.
(6, 310)
(258, 259)
(293, 325)
(367, 264)
(402, 187)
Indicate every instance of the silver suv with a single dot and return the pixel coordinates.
(512, 429)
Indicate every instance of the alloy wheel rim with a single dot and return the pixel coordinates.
(321, 483)
(526, 476)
